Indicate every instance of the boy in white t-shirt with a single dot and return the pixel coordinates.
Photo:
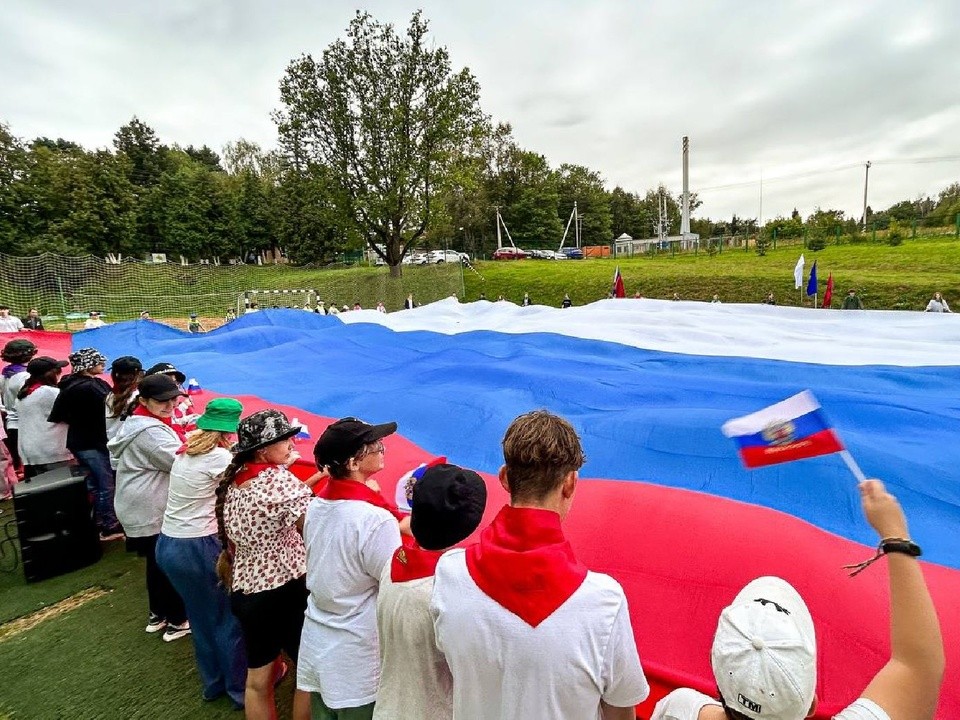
(764, 654)
(350, 533)
(528, 632)
(447, 504)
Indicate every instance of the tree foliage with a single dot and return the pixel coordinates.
(385, 115)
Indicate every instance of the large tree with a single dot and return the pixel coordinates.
(385, 115)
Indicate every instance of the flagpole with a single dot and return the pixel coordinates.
(852, 465)
(815, 296)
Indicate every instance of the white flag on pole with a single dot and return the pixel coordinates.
(798, 273)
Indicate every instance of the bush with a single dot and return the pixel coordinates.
(816, 243)
(894, 234)
(762, 245)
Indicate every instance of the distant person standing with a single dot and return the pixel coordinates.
(231, 315)
(145, 315)
(937, 304)
(93, 321)
(408, 304)
(381, 308)
(851, 301)
(676, 297)
(567, 302)
(194, 325)
(33, 321)
(716, 299)
(9, 323)
(526, 300)
(769, 300)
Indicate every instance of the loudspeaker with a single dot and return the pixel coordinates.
(55, 524)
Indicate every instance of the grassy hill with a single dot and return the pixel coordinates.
(892, 278)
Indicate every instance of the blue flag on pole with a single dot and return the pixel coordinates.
(812, 283)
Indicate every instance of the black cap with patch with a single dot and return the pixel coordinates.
(346, 437)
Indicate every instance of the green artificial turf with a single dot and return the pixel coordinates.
(96, 661)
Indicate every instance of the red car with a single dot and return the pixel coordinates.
(510, 253)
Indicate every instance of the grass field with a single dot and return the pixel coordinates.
(885, 277)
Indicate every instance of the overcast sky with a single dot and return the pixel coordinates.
(762, 87)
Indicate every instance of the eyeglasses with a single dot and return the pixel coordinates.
(371, 450)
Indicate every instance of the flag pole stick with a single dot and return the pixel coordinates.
(853, 467)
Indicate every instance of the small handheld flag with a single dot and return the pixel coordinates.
(404, 491)
(618, 288)
(793, 429)
(304, 433)
(193, 387)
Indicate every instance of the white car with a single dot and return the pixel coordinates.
(442, 256)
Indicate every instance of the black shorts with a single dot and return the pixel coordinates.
(271, 620)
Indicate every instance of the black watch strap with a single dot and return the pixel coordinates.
(901, 545)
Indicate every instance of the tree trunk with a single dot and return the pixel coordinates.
(396, 271)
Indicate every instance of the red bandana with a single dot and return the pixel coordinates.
(142, 410)
(524, 563)
(341, 489)
(250, 471)
(412, 562)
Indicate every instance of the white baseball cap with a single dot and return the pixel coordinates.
(764, 654)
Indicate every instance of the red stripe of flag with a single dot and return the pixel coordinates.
(820, 443)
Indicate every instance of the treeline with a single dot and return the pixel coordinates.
(380, 143)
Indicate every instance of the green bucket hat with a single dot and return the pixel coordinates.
(221, 415)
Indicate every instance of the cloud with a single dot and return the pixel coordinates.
(775, 88)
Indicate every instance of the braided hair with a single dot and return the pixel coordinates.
(225, 560)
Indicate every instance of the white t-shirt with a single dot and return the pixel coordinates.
(41, 442)
(93, 323)
(11, 324)
(348, 542)
(415, 682)
(505, 669)
(11, 388)
(191, 499)
(686, 704)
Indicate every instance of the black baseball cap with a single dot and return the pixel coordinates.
(159, 387)
(344, 439)
(447, 506)
(43, 364)
(126, 363)
(163, 368)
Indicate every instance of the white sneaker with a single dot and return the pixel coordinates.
(175, 632)
(155, 624)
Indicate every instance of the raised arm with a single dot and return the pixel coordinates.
(908, 686)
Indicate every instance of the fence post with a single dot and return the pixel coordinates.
(837, 234)
(913, 229)
(874, 236)
(775, 238)
(63, 305)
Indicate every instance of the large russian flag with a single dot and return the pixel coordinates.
(665, 506)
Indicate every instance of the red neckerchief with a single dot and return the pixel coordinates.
(412, 562)
(525, 564)
(32, 386)
(249, 471)
(143, 412)
(342, 489)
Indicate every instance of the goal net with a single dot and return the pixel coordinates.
(66, 289)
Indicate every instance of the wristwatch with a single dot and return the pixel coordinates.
(900, 545)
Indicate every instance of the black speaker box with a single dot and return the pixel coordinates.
(55, 524)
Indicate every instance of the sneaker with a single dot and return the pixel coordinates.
(155, 623)
(175, 632)
(110, 535)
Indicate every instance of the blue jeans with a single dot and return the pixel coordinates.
(102, 484)
(190, 564)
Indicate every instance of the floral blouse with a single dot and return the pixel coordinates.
(260, 517)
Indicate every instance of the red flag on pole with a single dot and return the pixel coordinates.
(828, 295)
(618, 289)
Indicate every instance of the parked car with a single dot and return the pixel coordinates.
(441, 256)
(415, 259)
(573, 253)
(510, 253)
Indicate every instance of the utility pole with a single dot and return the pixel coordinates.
(866, 180)
(499, 240)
